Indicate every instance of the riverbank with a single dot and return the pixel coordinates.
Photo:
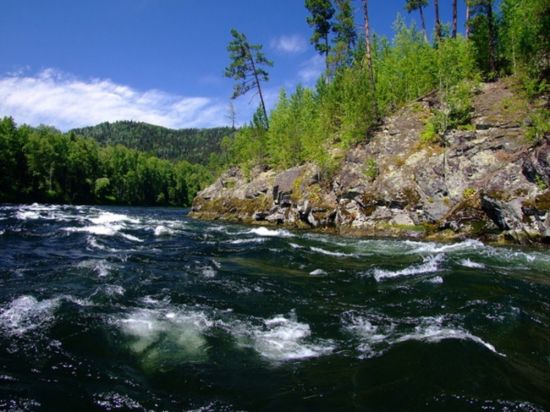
(486, 181)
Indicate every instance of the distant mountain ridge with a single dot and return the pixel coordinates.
(193, 145)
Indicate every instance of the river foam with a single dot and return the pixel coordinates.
(166, 337)
(263, 231)
(376, 333)
(430, 264)
(281, 338)
(25, 314)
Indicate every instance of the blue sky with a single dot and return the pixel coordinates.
(74, 63)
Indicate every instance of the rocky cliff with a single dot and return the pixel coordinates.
(487, 182)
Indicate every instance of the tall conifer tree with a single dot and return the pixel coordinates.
(345, 35)
(246, 67)
(419, 5)
(321, 14)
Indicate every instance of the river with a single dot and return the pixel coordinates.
(112, 308)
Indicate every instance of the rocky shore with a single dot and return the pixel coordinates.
(486, 182)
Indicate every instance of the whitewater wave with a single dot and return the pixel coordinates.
(330, 253)
(108, 217)
(471, 264)
(431, 329)
(431, 248)
(244, 241)
(318, 272)
(162, 230)
(131, 237)
(281, 339)
(25, 314)
(102, 230)
(263, 231)
(27, 215)
(430, 264)
(377, 333)
(437, 280)
(166, 337)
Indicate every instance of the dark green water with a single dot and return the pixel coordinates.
(144, 309)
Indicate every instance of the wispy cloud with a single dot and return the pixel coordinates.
(311, 69)
(289, 44)
(64, 101)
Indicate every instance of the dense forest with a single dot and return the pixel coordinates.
(368, 77)
(193, 145)
(44, 165)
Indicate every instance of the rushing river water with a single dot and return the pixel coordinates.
(145, 309)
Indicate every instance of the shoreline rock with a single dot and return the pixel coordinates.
(487, 183)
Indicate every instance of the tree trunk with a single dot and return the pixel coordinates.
(259, 88)
(423, 21)
(437, 21)
(491, 30)
(368, 53)
(467, 19)
(326, 53)
(455, 18)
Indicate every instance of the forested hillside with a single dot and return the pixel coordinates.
(193, 145)
(368, 77)
(44, 165)
(447, 138)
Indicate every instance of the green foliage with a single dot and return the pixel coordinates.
(321, 14)
(316, 125)
(49, 166)
(539, 126)
(246, 67)
(483, 23)
(371, 169)
(541, 184)
(430, 134)
(193, 145)
(455, 112)
(525, 42)
(343, 27)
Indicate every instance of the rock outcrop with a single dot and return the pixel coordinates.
(486, 183)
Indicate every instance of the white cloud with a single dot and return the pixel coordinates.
(292, 44)
(311, 70)
(64, 101)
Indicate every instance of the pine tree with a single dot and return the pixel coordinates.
(437, 21)
(245, 67)
(467, 18)
(321, 14)
(412, 5)
(368, 51)
(455, 19)
(344, 29)
(482, 11)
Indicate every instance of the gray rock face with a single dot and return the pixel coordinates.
(486, 183)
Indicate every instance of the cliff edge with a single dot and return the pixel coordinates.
(488, 182)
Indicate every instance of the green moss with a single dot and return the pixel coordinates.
(412, 196)
(370, 169)
(297, 189)
(468, 193)
(541, 184)
(229, 184)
